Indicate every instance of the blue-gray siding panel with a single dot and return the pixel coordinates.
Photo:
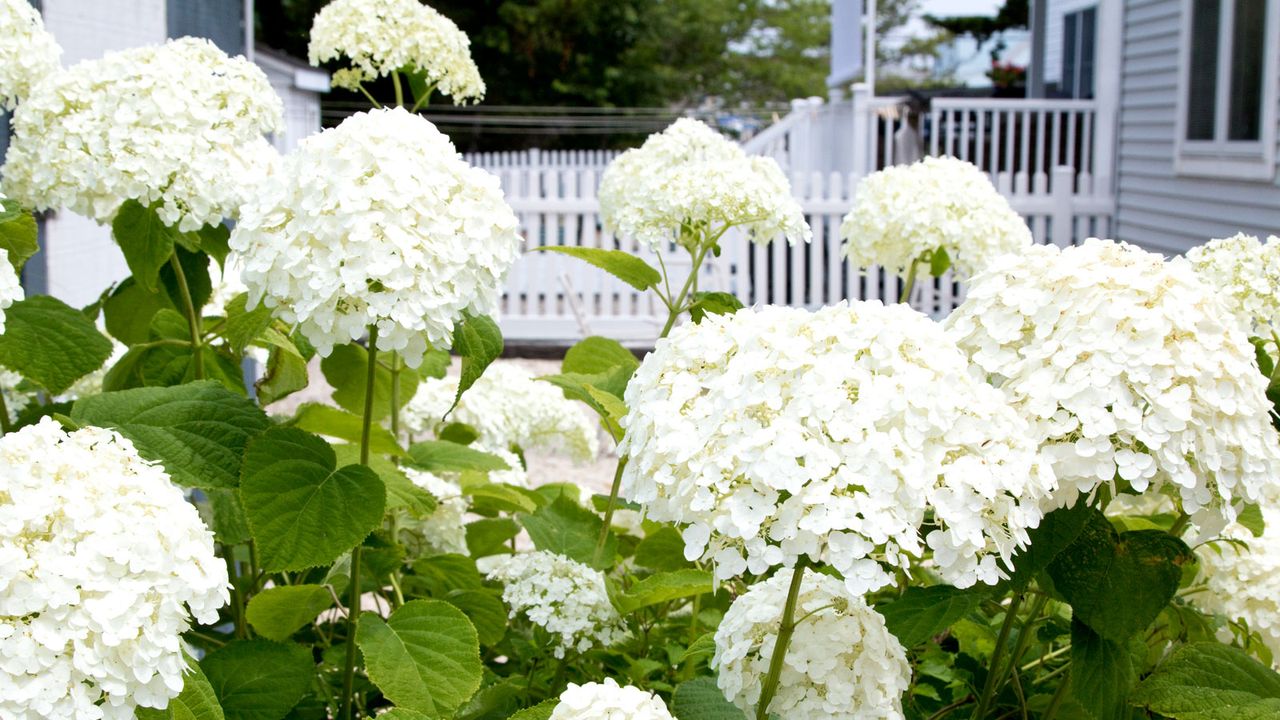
(222, 21)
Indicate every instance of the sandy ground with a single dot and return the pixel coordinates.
(594, 477)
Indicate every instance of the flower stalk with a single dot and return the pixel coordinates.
(353, 603)
(785, 631)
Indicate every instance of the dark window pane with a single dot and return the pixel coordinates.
(218, 20)
(1246, 70)
(1088, 20)
(1203, 87)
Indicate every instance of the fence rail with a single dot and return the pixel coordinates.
(551, 297)
(536, 159)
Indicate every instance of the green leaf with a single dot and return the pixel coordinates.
(51, 343)
(626, 267)
(1251, 519)
(1056, 532)
(146, 241)
(923, 612)
(258, 679)
(939, 261)
(662, 549)
(225, 516)
(302, 509)
(279, 612)
(563, 526)
(1211, 681)
(286, 368)
(499, 497)
(442, 456)
(244, 324)
(1102, 673)
(197, 701)
(129, 310)
(460, 433)
(214, 240)
(663, 587)
(1118, 584)
(425, 657)
(19, 235)
(198, 431)
(489, 536)
(541, 711)
(478, 341)
(443, 574)
(596, 354)
(347, 370)
(195, 270)
(486, 611)
(340, 424)
(713, 303)
(700, 699)
(401, 492)
(704, 648)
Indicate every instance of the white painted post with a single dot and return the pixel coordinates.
(862, 141)
(1109, 56)
(1062, 187)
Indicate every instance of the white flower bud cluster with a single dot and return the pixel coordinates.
(444, 531)
(101, 558)
(692, 176)
(1129, 369)
(562, 596)
(842, 662)
(507, 406)
(178, 126)
(28, 53)
(608, 701)
(377, 221)
(847, 435)
(383, 36)
(1243, 579)
(10, 286)
(1246, 273)
(903, 211)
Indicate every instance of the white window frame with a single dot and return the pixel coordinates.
(1220, 157)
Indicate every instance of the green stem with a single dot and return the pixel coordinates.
(785, 631)
(947, 709)
(608, 508)
(395, 80)
(424, 100)
(353, 604)
(997, 655)
(910, 283)
(193, 317)
(1024, 639)
(1179, 525)
(395, 396)
(369, 97)
(1058, 696)
(237, 600)
(677, 305)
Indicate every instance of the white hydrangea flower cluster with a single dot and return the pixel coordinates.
(842, 662)
(779, 432)
(1127, 367)
(609, 701)
(903, 211)
(1244, 582)
(691, 175)
(1246, 273)
(507, 406)
(178, 125)
(15, 401)
(10, 285)
(377, 221)
(380, 37)
(562, 596)
(100, 560)
(28, 53)
(444, 530)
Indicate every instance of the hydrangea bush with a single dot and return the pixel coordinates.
(1060, 502)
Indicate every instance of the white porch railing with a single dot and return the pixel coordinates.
(555, 298)
(536, 159)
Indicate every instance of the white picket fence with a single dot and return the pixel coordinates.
(554, 298)
(536, 159)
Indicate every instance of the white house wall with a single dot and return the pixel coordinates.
(1053, 50)
(1156, 207)
(80, 259)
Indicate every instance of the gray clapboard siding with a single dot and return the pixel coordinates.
(1157, 208)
